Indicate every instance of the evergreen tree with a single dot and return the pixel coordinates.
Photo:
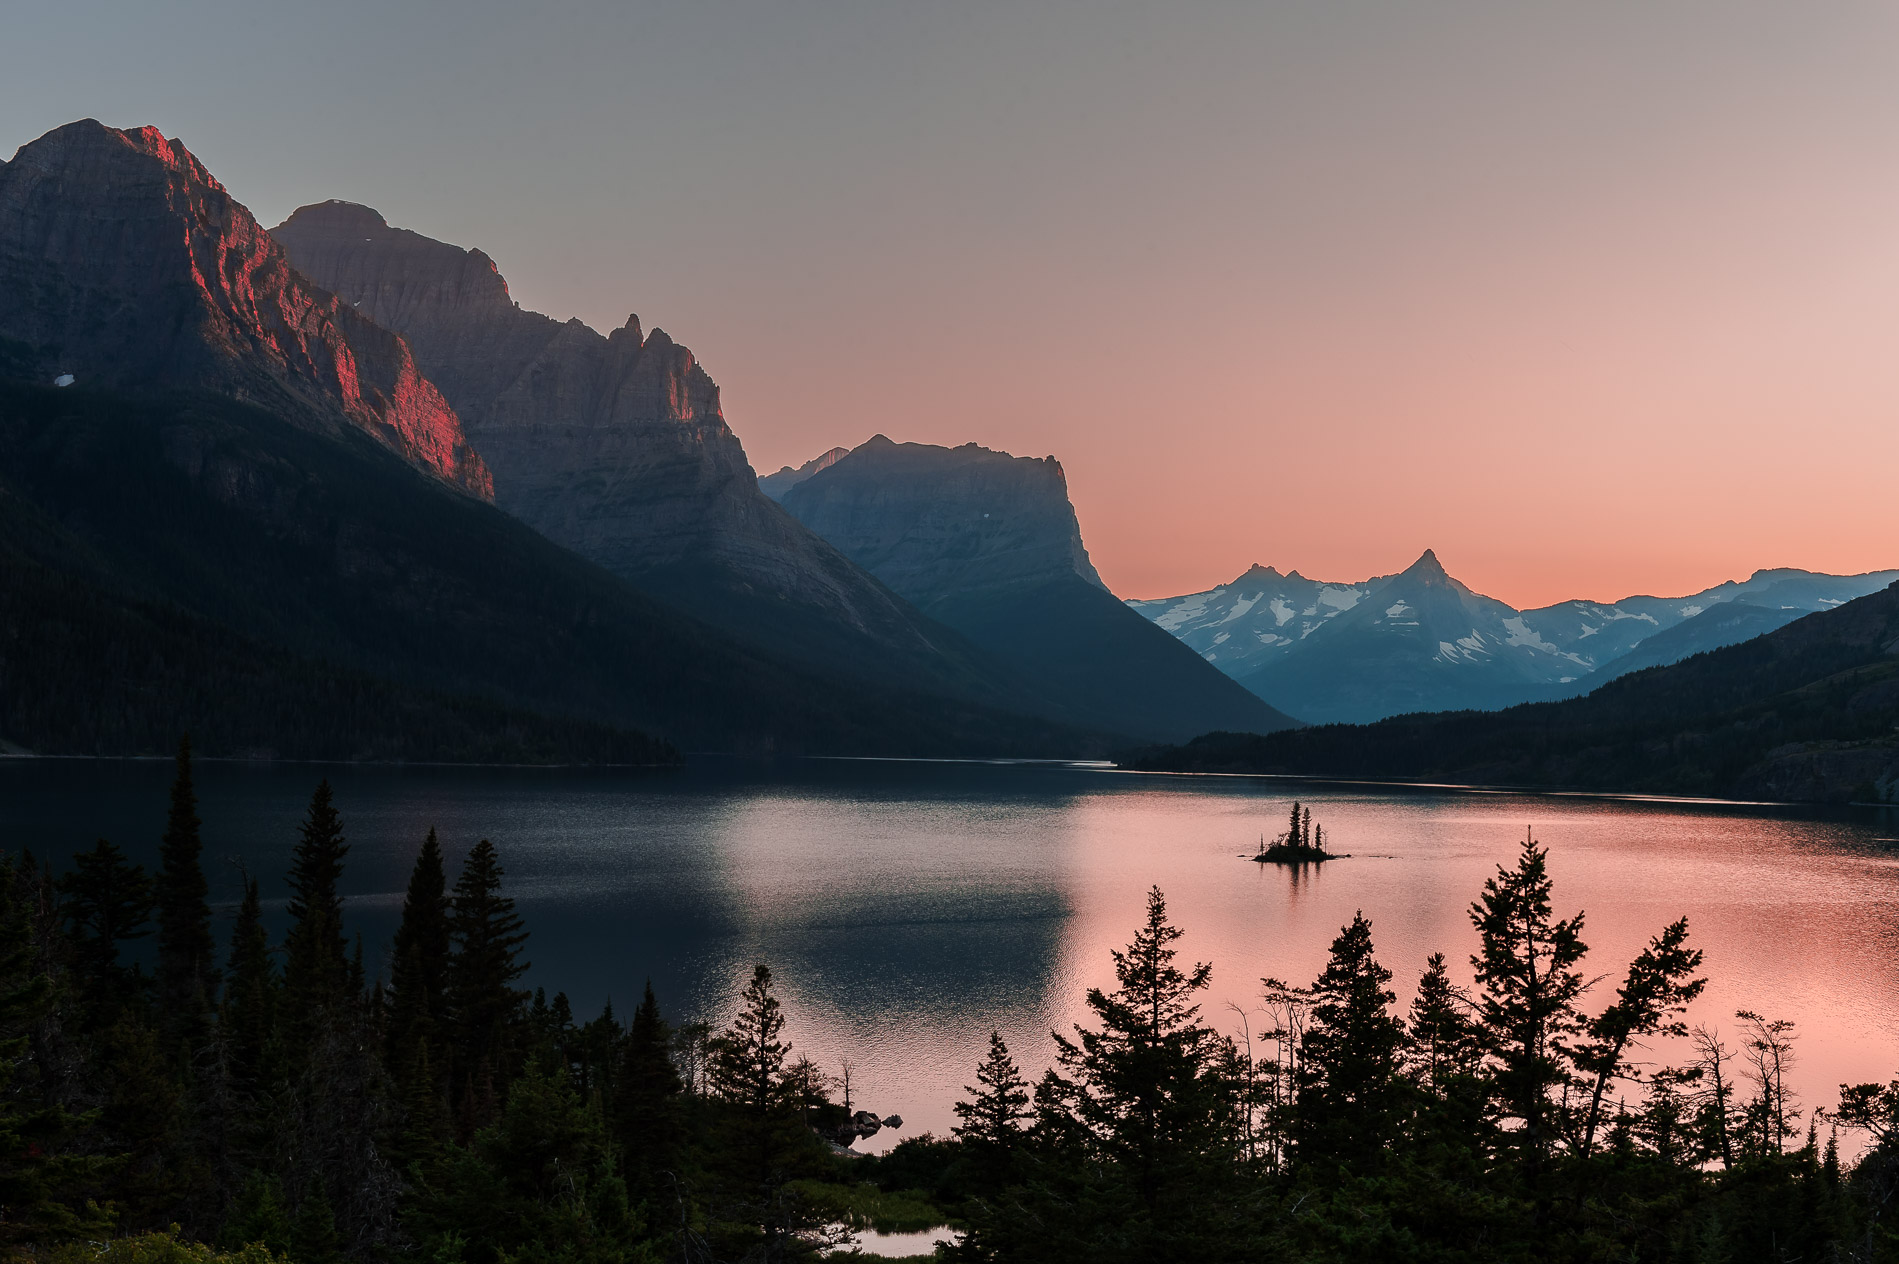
(108, 902)
(250, 1008)
(646, 1095)
(1526, 970)
(1443, 1041)
(40, 1176)
(994, 1118)
(1348, 1069)
(316, 966)
(483, 1004)
(187, 953)
(763, 1140)
(1658, 989)
(418, 981)
(1146, 1094)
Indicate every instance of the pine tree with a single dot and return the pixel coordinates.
(1526, 970)
(418, 981)
(250, 1007)
(646, 1095)
(108, 902)
(1658, 989)
(1348, 1068)
(994, 1119)
(316, 965)
(187, 954)
(1443, 1043)
(1144, 1078)
(40, 1180)
(483, 1004)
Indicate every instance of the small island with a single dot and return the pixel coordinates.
(1302, 844)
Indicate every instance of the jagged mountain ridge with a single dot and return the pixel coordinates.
(616, 446)
(989, 544)
(1336, 652)
(124, 263)
(776, 485)
(1808, 712)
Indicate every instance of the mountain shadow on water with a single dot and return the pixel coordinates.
(1807, 713)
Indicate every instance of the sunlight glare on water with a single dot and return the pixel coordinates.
(907, 909)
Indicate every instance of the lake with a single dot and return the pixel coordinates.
(907, 908)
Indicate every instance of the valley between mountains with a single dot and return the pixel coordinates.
(327, 491)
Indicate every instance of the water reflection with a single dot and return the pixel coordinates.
(907, 909)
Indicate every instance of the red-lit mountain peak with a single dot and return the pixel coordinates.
(128, 265)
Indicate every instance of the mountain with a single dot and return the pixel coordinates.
(124, 263)
(1809, 712)
(1349, 652)
(988, 544)
(182, 561)
(776, 485)
(241, 508)
(615, 446)
(1724, 623)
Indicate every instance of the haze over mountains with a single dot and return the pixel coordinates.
(1419, 640)
(989, 544)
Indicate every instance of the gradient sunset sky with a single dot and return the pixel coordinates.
(1592, 299)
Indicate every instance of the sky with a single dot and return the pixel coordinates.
(1591, 299)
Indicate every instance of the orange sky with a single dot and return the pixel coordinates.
(1592, 301)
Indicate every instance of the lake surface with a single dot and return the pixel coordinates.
(908, 908)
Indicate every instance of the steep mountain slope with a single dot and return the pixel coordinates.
(615, 446)
(1808, 712)
(988, 543)
(327, 567)
(124, 263)
(1292, 640)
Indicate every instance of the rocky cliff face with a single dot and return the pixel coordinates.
(937, 524)
(615, 446)
(123, 263)
(989, 544)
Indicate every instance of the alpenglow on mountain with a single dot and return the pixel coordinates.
(989, 544)
(1419, 640)
(125, 264)
(232, 504)
(615, 445)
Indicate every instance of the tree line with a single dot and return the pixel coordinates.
(253, 1101)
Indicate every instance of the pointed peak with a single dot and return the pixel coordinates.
(1258, 574)
(1427, 565)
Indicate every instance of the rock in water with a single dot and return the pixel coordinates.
(123, 262)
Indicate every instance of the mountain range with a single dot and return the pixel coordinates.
(1809, 711)
(1418, 640)
(342, 453)
(989, 544)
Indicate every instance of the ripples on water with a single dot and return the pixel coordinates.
(908, 908)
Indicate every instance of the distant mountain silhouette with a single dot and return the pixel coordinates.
(988, 543)
(1420, 641)
(1807, 712)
